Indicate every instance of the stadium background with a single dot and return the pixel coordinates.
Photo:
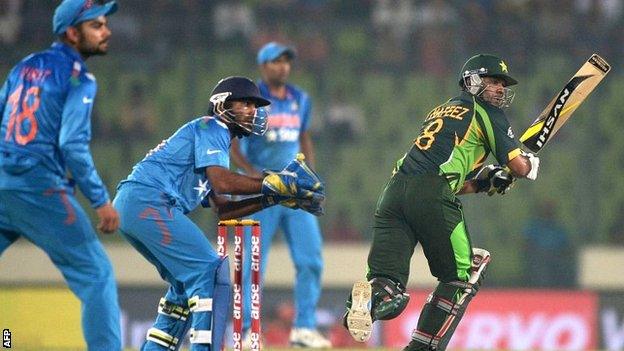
(374, 68)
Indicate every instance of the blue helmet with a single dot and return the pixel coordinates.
(239, 89)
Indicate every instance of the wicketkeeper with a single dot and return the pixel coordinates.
(419, 205)
(189, 168)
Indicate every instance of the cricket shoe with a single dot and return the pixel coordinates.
(308, 338)
(358, 319)
(248, 342)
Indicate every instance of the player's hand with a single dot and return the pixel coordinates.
(109, 218)
(289, 185)
(311, 206)
(308, 205)
(493, 179)
(301, 169)
(535, 161)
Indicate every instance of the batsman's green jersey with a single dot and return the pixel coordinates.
(457, 137)
(418, 204)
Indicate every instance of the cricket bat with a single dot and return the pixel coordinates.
(561, 107)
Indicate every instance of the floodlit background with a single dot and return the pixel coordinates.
(374, 68)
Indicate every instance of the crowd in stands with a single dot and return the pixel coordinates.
(373, 67)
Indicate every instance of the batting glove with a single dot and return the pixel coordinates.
(493, 179)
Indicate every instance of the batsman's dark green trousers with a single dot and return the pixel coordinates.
(421, 209)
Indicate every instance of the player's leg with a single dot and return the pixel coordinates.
(8, 233)
(305, 242)
(382, 295)
(172, 322)
(439, 222)
(184, 257)
(56, 223)
(269, 220)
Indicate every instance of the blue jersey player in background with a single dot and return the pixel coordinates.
(187, 169)
(287, 135)
(45, 107)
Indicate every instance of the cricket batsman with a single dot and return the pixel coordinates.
(45, 109)
(419, 204)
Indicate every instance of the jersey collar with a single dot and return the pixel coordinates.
(68, 50)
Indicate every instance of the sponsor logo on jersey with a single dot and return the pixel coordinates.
(287, 120)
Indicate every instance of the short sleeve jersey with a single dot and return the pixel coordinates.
(177, 165)
(456, 139)
(45, 111)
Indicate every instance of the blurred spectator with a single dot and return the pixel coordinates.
(435, 25)
(393, 21)
(137, 124)
(554, 26)
(233, 19)
(313, 50)
(548, 253)
(609, 10)
(345, 119)
(10, 21)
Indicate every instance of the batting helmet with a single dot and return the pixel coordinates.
(484, 65)
(239, 89)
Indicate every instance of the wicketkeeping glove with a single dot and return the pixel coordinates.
(289, 185)
(311, 206)
(493, 179)
(301, 169)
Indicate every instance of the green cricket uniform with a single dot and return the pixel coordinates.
(419, 203)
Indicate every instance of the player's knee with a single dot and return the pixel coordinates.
(308, 265)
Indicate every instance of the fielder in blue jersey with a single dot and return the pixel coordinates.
(287, 134)
(45, 106)
(189, 168)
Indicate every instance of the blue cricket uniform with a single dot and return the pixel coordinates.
(45, 106)
(153, 202)
(288, 118)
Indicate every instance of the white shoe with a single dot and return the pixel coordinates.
(359, 320)
(248, 344)
(308, 338)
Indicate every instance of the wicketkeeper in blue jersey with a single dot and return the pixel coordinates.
(189, 168)
(287, 135)
(45, 108)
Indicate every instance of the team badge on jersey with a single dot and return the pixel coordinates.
(202, 188)
(294, 106)
(510, 133)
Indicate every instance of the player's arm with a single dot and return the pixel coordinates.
(469, 187)
(305, 139)
(74, 138)
(241, 161)
(224, 181)
(307, 147)
(227, 209)
(506, 148)
(275, 187)
(524, 165)
(4, 92)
